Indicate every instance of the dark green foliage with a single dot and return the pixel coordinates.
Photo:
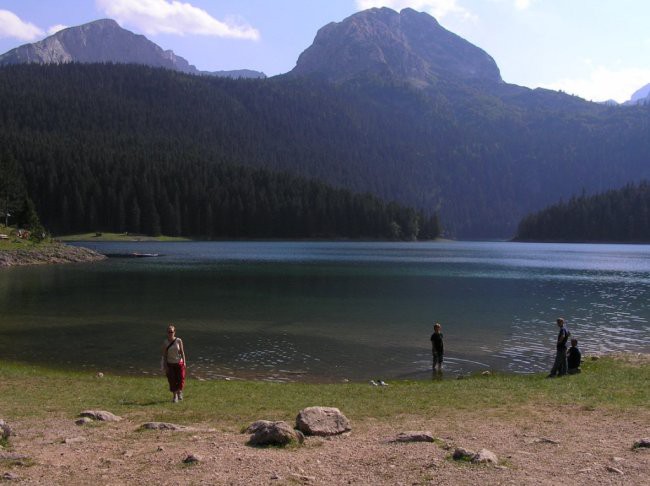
(139, 148)
(621, 215)
(12, 188)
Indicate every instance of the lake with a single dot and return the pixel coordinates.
(327, 311)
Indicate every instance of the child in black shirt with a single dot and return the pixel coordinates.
(437, 348)
(574, 358)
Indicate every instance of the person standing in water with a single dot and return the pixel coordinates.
(560, 364)
(437, 348)
(173, 363)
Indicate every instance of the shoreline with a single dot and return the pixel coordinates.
(46, 254)
(584, 427)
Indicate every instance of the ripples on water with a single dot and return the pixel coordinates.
(332, 311)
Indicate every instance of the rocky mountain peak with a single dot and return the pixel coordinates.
(104, 41)
(408, 45)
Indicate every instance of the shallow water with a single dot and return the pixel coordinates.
(287, 311)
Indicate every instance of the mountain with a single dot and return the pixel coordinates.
(407, 46)
(640, 96)
(106, 42)
(479, 151)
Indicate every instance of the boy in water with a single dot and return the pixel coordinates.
(560, 364)
(437, 348)
(574, 358)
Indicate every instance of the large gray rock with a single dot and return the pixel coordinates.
(462, 454)
(322, 421)
(265, 433)
(101, 415)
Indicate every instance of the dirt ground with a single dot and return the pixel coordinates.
(570, 445)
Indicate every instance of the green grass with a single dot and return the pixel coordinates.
(30, 391)
(118, 237)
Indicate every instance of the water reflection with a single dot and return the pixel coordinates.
(328, 311)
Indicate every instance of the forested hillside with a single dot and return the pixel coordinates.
(621, 215)
(88, 135)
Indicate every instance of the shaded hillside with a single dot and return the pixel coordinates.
(482, 161)
(621, 215)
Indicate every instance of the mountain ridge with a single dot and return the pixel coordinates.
(104, 41)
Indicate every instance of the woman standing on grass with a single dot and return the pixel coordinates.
(173, 363)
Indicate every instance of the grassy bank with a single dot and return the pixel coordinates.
(608, 383)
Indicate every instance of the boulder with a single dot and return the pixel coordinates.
(5, 430)
(485, 456)
(415, 437)
(322, 421)
(265, 433)
(100, 415)
(642, 443)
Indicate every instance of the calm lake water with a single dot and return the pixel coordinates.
(327, 311)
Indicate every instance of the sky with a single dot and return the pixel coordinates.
(596, 49)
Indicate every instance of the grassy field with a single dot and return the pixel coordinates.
(27, 391)
(118, 237)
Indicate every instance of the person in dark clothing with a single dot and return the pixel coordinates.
(560, 364)
(437, 348)
(574, 358)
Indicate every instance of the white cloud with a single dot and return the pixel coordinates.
(12, 26)
(437, 8)
(55, 28)
(522, 4)
(603, 84)
(173, 17)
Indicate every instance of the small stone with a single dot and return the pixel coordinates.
(9, 476)
(192, 459)
(545, 440)
(5, 430)
(99, 374)
(485, 456)
(585, 470)
(101, 415)
(486, 373)
(303, 478)
(275, 476)
(462, 454)
(160, 448)
(162, 426)
(642, 443)
(614, 470)
(420, 436)
(617, 459)
(83, 421)
(74, 440)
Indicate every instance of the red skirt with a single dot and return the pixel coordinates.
(176, 376)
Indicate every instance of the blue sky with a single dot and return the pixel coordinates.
(597, 49)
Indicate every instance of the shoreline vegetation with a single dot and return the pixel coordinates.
(582, 426)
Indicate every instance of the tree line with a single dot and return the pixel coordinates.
(621, 215)
(481, 159)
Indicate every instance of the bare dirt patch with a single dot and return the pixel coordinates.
(565, 445)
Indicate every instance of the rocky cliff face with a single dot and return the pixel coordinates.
(104, 41)
(380, 42)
